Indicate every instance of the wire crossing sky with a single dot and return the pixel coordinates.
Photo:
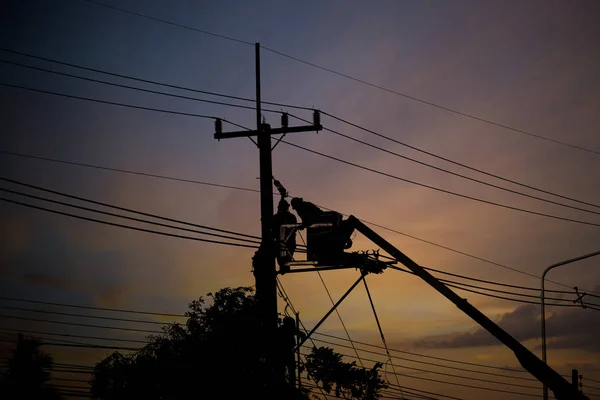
(464, 133)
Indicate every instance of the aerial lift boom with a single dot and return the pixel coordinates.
(562, 389)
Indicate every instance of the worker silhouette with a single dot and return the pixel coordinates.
(285, 238)
(287, 333)
(325, 243)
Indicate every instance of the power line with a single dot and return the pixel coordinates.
(291, 305)
(461, 286)
(426, 356)
(87, 346)
(453, 367)
(455, 162)
(127, 226)
(337, 312)
(461, 175)
(125, 171)
(33, 310)
(79, 324)
(339, 317)
(396, 375)
(381, 334)
(257, 191)
(170, 22)
(126, 217)
(75, 336)
(461, 384)
(495, 283)
(128, 87)
(92, 308)
(404, 95)
(179, 87)
(437, 373)
(439, 189)
(42, 339)
(416, 390)
(164, 225)
(451, 110)
(126, 209)
(302, 119)
(107, 102)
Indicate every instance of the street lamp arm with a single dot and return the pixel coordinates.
(542, 298)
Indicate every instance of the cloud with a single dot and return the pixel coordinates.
(565, 329)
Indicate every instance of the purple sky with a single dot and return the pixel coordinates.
(528, 65)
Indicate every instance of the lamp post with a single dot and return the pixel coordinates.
(543, 311)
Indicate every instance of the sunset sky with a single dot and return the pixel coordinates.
(532, 66)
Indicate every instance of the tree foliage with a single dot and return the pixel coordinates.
(216, 351)
(345, 380)
(28, 373)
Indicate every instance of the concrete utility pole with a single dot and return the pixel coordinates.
(264, 259)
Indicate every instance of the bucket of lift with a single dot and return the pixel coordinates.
(322, 236)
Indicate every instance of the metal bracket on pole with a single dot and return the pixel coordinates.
(362, 276)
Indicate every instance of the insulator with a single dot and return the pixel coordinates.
(316, 118)
(284, 120)
(218, 126)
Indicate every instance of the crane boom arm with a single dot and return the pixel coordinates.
(562, 389)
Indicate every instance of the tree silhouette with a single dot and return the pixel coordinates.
(28, 373)
(346, 380)
(216, 351)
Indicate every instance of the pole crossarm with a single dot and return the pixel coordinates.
(272, 131)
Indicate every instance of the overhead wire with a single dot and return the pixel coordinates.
(489, 202)
(433, 372)
(33, 310)
(160, 314)
(128, 226)
(452, 367)
(462, 384)
(128, 86)
(488, 289)
(169, 22)
(381, 333)
(302, 119)
(430, 357)
(108, 102)
(158, 83)
(286, 298)
(283, 294)
(448, 109)
(452, 172)
(92, 166)
(336, 311)
(362, 81)
(79, 324)
(463, 165)
(508, 206)
(74, 336)
(86, 346)
(463, 286)
(125, 216)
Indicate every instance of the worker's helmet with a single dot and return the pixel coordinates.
(283, 205)
(296, 201)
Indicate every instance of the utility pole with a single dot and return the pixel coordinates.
(263, 262)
